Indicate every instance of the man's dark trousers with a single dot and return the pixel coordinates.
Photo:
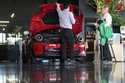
(67, 40)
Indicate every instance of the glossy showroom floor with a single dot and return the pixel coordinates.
(78, 73)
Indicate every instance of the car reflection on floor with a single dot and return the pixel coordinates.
(10, 73)
(63, 74)
(81, 73)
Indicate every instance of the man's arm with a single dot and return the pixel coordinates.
(72, 18)
(58, 7)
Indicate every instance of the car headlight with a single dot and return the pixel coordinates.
(80, 37)
(38, 37)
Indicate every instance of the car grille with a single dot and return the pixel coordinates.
(57, 52)
(51, 38)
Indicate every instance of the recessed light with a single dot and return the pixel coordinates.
(12, 15)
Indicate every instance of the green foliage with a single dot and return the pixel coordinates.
(116, 17)
(100, 4)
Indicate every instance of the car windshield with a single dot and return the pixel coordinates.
(51, 18)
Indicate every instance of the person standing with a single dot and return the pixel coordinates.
(66, 19)
(108, 33)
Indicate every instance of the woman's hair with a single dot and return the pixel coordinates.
(106, 6)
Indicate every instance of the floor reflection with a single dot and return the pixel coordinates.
(63, 74)
(80, 73)
(113, 73)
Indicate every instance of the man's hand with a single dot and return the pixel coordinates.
(57, 4)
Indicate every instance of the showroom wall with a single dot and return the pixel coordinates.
(83, 4)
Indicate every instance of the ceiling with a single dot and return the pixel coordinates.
(23, 10)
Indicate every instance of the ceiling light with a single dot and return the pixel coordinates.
(4, 21)
(12, 15)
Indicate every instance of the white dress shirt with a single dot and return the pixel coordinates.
(108, 19)
(66, 18)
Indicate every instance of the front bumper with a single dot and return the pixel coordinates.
(54, 50)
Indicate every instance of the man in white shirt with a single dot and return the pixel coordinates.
(66, 19)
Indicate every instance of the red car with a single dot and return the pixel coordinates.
(45, 32)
